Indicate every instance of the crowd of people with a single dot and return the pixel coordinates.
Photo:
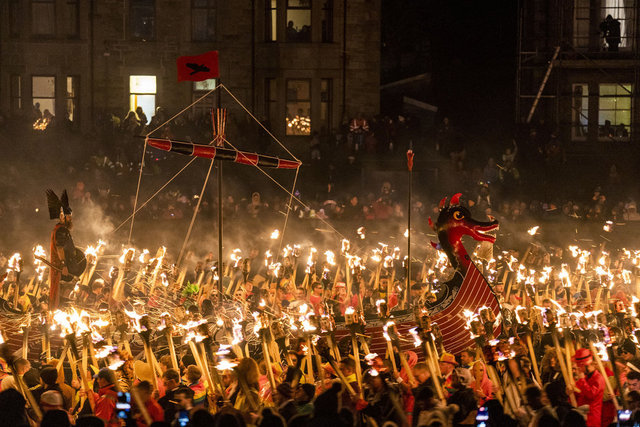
(299, 377)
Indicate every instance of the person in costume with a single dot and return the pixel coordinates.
(62, 247)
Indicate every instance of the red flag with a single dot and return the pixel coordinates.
(198, 68)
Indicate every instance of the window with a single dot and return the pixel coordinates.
(326, 100)
(72, 22)
(621, 24)
(143, 19)
(203, 108)
(580, 112)
(142, 90)
(43, 92)
(203, 20)
(327, 21)
(298, 20)
(271, 100)
(15, 21)
(298, 107)
(614, 111)
(581, 21)
(43, 17)
(271, 20)
(71, 98)
(16, 92)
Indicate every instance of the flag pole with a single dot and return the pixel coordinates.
(220, 143)
(410, 167)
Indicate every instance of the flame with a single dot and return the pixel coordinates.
(533, 230)
(144, 256)
(349, 311)
(127, 255)
(346, 245)
(608, 226)
(361, 231)
(416, 337)
(14, 263)
(275, 234)
(385, 329)
(331, 257)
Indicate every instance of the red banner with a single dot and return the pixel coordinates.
(198, 68)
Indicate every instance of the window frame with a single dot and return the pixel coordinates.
(328, 104)
(15, 19)
(74, 27)
(583, 113)
(327, 21)
(51, 17)
(210, 7)
(204, 106)
(297, 100)
(577, 38)
(626, 94)
(55, 92)
(15, 93)
(626, 40)
(72, 98)
(270, 21)
(132, 7)
(298, 39)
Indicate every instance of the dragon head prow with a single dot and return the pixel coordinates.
(455, 221)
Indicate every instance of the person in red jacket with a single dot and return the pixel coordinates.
(590, 382)
(106, 398)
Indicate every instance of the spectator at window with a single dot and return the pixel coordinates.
(610, 29)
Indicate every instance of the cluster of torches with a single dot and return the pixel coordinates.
(316, 330)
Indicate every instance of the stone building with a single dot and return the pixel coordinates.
(589, 89)
(299, 65)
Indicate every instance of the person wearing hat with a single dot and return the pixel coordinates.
(51, 399)
(447, 364)
(591, 384)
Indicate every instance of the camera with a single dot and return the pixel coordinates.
(123, 405)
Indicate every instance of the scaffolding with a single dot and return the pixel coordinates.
(559, 43)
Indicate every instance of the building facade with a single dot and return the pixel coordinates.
(589, 93)
(299, 65)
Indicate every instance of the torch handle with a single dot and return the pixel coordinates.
(607, 383)
(267, 359)
(356, 357)
(149, 357)
(568, 376)
(435, 378)
(534, 360)
(172, 348)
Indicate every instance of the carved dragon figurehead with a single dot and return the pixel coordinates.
(454, 222)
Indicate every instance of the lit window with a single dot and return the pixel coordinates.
(142, 19)
(43, 90)
(71, 98)
(43, 17)
(203, 20)
(580, 112)
(327, 21)
(270, 20)
(614, 111)
(620, 25)
(142, 90)
(298, 21)
(298, 107)
(203, 108)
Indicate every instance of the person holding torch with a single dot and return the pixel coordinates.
(590, 384)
